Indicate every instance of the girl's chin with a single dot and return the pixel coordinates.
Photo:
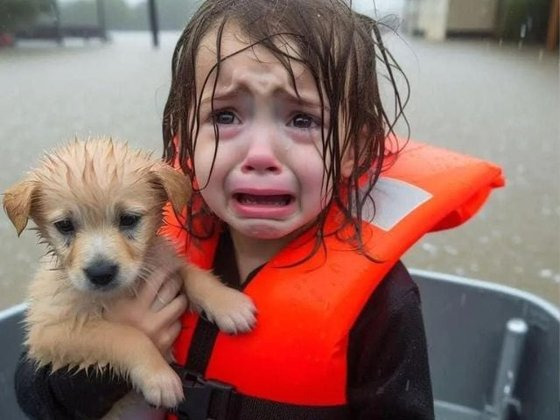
(269, 230)
(264, 231)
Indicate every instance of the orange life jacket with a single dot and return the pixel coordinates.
(297, 353)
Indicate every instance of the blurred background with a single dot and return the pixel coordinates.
(483, 78)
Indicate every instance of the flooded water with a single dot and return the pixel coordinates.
(497, 102)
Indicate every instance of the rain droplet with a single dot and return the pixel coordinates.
(430, 249)
(483, 239)
(451, 250)
(496, 233)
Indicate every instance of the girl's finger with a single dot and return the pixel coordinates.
(151, 285)
(172, 311)
(166, 292)
(169, 336)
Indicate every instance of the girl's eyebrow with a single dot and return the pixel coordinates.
(304, 99)
(225, 95)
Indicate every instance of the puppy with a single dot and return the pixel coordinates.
(98, 206)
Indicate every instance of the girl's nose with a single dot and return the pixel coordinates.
(261, 156)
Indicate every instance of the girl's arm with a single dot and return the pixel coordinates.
(389, 375)
(43, 394)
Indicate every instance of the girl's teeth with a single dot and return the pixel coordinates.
(265, 200)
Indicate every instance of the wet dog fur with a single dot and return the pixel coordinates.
(98, 205)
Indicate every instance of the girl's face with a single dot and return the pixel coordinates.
(267, 178)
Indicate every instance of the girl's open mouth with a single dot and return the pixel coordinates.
(267, 205)
(279, 200)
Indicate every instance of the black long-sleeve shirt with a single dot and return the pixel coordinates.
(388, 375)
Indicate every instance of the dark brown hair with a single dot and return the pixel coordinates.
(344, 52)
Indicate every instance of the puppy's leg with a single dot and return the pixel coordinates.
(127, 350)
(230, 309)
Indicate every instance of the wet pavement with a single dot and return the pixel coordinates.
(497, 102)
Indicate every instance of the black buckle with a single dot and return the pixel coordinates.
(204, 399)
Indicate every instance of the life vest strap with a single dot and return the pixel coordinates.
(203, 399)
(208, 399)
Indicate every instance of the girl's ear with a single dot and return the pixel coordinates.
(347, 164)
(17, 203)
(176, 185)
(349, 157)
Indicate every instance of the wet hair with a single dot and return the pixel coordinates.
(343, 51)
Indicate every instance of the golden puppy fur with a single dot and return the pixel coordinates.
(98, 206)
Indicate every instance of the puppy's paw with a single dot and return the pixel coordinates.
(161, 388)
(232, 311)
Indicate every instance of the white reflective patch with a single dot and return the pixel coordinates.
(394, 200)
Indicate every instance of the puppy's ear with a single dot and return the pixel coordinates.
(177, 186)
(17, 203)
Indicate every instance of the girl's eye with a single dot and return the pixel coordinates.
(128, 221)
(224, 117)
(66, 227)
(303, 121)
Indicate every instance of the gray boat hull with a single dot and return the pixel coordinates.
(466, 328)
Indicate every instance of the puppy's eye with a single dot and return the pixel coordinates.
(66, 227)
(129, 221)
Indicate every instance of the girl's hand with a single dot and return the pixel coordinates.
(155, 310)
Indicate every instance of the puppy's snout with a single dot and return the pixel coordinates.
(101, 273)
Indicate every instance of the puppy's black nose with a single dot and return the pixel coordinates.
(101, 273)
